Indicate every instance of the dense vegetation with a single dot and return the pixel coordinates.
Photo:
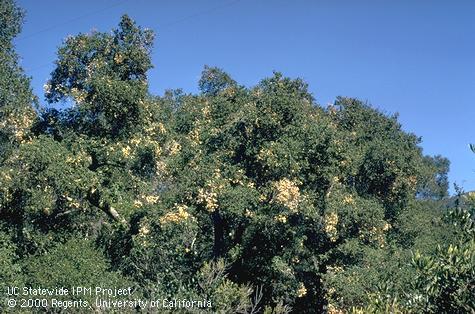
(257, 199)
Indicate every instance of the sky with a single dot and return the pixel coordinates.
(415, 58)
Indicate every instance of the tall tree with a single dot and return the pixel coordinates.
(105, 77)
(435, 185)
(16, 118)
(100, 157)
(16, 98)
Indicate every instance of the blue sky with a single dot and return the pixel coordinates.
(416, 58)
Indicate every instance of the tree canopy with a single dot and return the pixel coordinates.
(255, 198)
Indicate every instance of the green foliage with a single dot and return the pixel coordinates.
(383, 161)
(10, 23)
(109, 82)
(72, 264)
(446, 280)
(10, 269)
(423, 226)
(255, 191)
(436, 185)
(256, 199)
(214, 80)
(441, 275)
(16, 97)
(227, 296)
